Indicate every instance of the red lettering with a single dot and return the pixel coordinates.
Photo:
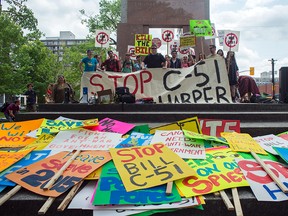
(55, 163)
(158, 147)
(135, 80)
(96, 84)
(250, 167)
(115, 80)
(234, 178)
(206, 186)
(146, 152)
(214, 179)
(132, 157)
(142, 81)
(281, 169)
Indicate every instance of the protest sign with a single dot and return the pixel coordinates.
(201, 28)
(9, 158)
(34, 177)
(111, 190)
(94, 175)
(193, 135)
(149, 166)
(201, 83)
(184, 147)
(282, 152)
(269, 141)
(215, 127)
(135, 139)
(32, 157)
(263, 187)
(217, 172)
(112, 125)
(191, 124)
(140, 129)
(54, 126)
(102, 38)
(214, 34)
(83, 197)
(82, 139)
(221, 36)
(143, 42)
(40, 142)
(242, 142)
(13, 134)
(187, 41)
(231, 40)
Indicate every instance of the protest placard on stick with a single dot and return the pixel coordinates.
(8, 195)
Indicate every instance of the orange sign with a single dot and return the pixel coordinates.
(37, 175)
(7, 159)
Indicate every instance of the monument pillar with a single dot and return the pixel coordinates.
(140, 15)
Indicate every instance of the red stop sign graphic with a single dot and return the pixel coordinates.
(167, 36)
(231, 40)
(102, 38)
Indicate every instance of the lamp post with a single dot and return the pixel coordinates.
(273, 80)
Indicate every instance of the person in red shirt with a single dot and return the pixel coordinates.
(12, 110)
(111, 64)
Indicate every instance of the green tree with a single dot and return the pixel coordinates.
(107, 19)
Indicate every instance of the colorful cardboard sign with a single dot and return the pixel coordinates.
(40, 143)
(112, 125)
(84, 140)
(197, 136)
(187, 41)
(282, 152)
(217, 172)
(13, 134)
(143, 42)
(32, 157)
(7, 158)
(201, 28)
(214, 127)
(190, 124)
(111, 190)
(135, 139)
(83, 197)
(263, 187)
(149, 166)
(34, 177)
(231, 40)
(54, 126)
(269, 141)
(185, 147)
(242, 142)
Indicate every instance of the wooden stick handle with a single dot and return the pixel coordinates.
(69, 196)
(237, 203)
(60, 172)
(46, 206)
(270, 173)
(8, 195)
(226, 200)
(169, 188)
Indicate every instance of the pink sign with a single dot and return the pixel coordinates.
(111, 125)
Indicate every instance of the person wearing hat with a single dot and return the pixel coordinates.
(31, 98)
(154, 59)
(90, 63)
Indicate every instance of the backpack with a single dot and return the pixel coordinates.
(4, 106)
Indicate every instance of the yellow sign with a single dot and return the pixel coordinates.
(217, 172)
(13, 134)
(190, 124)
(187, 41)
(94, 175)
(242, 142)
(54, 126)
(143, 42)
(40, 143)
(7, 159)
(149, 166)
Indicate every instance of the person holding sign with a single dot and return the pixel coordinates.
(154, 59)
(89, 61)
(213, 53)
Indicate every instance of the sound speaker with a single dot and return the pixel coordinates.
(283, 84)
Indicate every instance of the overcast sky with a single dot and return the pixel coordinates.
(263, 26)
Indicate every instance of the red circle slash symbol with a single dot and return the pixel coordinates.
(102, 38)
(231, 40)
(168, 36)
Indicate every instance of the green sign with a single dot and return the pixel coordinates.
(201, 28)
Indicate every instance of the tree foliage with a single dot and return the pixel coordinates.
(107, 19)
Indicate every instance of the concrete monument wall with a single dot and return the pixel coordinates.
(140, 15)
